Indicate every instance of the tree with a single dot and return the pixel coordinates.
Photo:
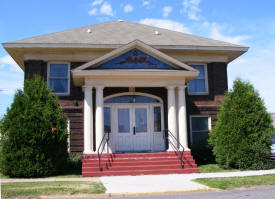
(242, 134)
(33, 133)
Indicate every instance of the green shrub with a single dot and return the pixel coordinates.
(242, 134)
(74, 164)
(33, 133)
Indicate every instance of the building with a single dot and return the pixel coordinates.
(134, 81)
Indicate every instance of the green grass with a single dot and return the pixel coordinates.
(58, 176)
(50, 188)
(3, 176)
(68, 176)
(237, 182)
(213, 168)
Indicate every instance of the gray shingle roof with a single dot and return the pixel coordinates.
(122, 32)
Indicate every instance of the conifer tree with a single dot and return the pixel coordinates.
(33, 133)
(242, 134)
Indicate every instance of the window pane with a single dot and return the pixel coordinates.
(144, 99)
(141, 119)
(201, 69)
(59, 85)
(197, 86)
(123, 115)
(200, 138)
(131, 99)
(157, 119)
(199, 123)
(59, 70)
(107, 119)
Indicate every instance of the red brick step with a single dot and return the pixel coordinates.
(138, 164)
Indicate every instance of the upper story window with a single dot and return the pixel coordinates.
(199, 85)
(59, 78)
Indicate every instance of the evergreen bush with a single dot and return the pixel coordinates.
(33, 133)
(242, 134)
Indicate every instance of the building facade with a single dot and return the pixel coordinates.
(140, 84)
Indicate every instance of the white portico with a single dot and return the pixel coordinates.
(135, 119)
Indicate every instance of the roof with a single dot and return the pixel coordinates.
(120, 32)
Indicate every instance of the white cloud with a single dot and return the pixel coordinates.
(128, 8)
(191, 8)
(107, 9)
(166, 11)
(10, 82)
(145, 3)
(97, 2)
(215, 33)
(93, 11)
(167, 24)
(9, 62)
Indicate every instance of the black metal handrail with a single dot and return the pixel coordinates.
(105, 141)
(176, 149)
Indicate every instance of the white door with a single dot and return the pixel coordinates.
(132, 127)
(124, 130)
(141, 129)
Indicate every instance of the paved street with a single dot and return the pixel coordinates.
(266, 192)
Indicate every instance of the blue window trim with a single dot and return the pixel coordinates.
(206, 81)
(48, 77)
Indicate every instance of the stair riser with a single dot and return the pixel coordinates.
(156, 172)
(95, 164)
(164, 154)
(137, 159)
(127, 168)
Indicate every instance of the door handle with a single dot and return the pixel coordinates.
(134, 130)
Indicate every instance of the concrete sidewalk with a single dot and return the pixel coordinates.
(150, 183)
(167, 183)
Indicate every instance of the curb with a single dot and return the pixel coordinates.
(129, 194)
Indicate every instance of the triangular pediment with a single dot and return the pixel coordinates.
(134, 59)
(135, 55)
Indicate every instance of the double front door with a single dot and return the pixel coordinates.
(132, 128)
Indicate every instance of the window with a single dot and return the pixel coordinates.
(199, 85)
(131, 99)
(107, 119)
(157, 119)
(58, 78)
(200, 126)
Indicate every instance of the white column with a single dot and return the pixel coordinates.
(99, 117)
(88, 120)
(182, 118)
(172, 122)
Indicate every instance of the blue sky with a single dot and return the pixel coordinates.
(245, 22)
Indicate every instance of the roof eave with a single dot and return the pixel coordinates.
(113, 46)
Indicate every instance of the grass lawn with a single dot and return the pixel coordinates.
(236, 182)
(213, 168)
(68, 176)
(59, 176)
(50, 188)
